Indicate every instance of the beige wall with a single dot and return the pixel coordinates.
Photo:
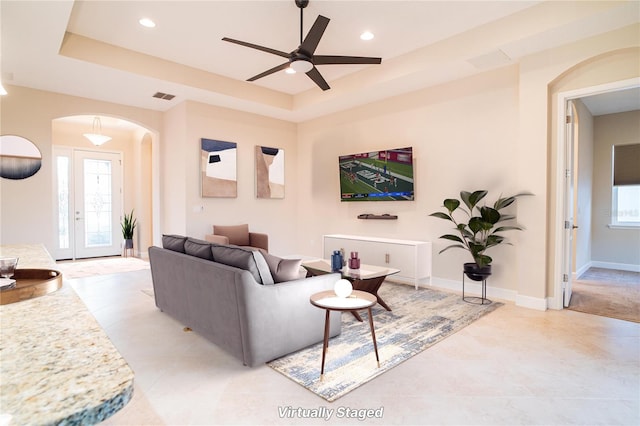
(612, 246)
(191, 214)
(449, 127)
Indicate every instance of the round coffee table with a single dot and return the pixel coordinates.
(358, 300)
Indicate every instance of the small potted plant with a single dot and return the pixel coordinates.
(479, 231)
(128, 225)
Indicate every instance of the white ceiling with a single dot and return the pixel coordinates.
(613, 102)
(422, 43)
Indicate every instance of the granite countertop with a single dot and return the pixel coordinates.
(56, 364)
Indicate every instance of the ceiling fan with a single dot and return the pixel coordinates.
(303, 58)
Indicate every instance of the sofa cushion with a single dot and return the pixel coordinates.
(249, 260)
(284, 269)
(198, 248)
(174, 242)
(238, 234)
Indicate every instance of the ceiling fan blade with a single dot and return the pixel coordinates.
(335, 60)
(314, 75)
(255, 46)
(314, 35)
(271, 71)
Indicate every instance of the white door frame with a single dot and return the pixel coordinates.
(556, 302)
(72, 251)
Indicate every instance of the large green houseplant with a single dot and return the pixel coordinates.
(480, 229)
(128, 225)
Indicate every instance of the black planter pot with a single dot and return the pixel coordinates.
(128, 243)
(476, 273)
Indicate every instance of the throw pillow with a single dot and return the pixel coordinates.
(284, 269)
(238, 234)
(249, 260)
(198, 248)
(173, 242)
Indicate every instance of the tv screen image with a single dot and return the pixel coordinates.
(385, 175)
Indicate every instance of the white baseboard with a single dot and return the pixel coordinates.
(537, 303)
(474, 288)
(576, 275)
(553, 303)
(619, 266)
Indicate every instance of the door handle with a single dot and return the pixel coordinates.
(575, 227)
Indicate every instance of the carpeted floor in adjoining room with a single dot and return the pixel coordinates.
(607, 292)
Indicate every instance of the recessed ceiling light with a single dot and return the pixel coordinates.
(367, 35)
(146, 22)
(289, 70)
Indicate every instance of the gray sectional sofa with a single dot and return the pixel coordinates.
(230, 295)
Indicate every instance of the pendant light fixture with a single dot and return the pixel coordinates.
(96, 137)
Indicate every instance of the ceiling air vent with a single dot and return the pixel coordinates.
(165, 96)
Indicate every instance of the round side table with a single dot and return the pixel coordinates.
(358, 300)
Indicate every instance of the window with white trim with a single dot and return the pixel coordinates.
(626, 185)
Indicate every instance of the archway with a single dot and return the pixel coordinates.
(613, 71)
(133, 145)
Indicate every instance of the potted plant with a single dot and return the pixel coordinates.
(128, 225)
(479, 231)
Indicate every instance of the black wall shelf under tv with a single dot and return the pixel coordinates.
(377, 216)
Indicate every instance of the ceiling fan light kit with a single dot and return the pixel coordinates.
(304, 59)
(301, 66)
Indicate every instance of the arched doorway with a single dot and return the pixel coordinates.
(565, 172)
(95, 185)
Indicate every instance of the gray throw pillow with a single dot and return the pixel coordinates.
(173, 242)
(249, 260)
(198, 248)
(284, 270)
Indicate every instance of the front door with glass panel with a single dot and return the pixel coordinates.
(88, 186)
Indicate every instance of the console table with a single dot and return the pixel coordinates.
(412, 258)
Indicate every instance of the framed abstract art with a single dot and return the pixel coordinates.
(269, 172)
(218, 168)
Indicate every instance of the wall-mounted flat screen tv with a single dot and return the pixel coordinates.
(385, 175)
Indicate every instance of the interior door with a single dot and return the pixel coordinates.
(97, 203)
(568, 203)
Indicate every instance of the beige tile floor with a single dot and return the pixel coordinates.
(514, 366)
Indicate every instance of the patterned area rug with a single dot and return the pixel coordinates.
(101, 266)
(420, 319)
(608, 293)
